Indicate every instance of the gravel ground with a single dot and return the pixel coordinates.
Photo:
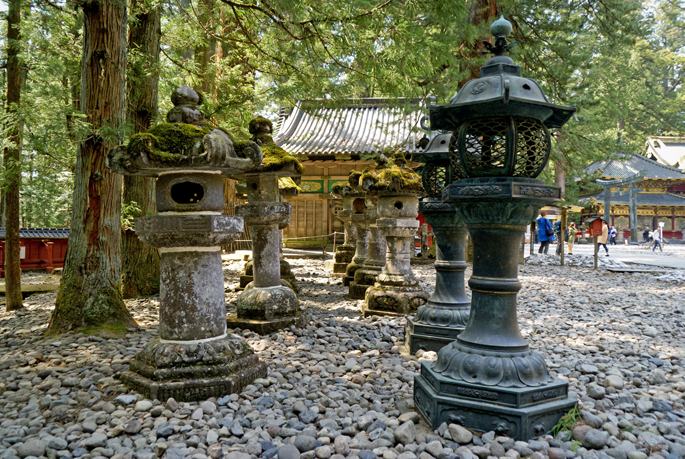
(341, 388)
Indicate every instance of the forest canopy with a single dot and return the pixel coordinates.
(621, 62)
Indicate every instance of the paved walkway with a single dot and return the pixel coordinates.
(672, 257)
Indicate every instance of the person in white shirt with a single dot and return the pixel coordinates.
(657, 239)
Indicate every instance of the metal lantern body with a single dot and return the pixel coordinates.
(488, 378)
(444, 316)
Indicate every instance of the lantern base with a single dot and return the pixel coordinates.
(393, 300)
(336, 268)
(418, 335)
(193, 370)
(521, 413)
(264, 327)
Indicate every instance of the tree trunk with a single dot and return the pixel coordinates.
(140, 262)
(12, 158)
(89, 296)
(560, 176)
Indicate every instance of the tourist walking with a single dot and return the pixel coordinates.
(602, 240)
(612, 235)
(545, 232)
(571, 237)
(658, 235)
(557, 233)
(645, 234)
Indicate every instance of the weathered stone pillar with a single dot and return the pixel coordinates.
(345, 252)
(194, 358)
(397, 290)
(266, 304)
(362, 246)
(446, 313)
(373, 264)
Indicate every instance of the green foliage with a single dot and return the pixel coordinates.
(567, 421)
(129, 212)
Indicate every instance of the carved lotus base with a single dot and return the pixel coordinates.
(393, 300)
(520, 413)
(418, 335)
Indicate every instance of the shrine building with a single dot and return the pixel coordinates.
(331, 142)
(661, 199)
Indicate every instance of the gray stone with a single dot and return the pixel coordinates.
(434, 448)
(405, 433)
(412, 416)
(95, 440)
(208, 407)
(580, 431)
(556, 453)
(171, 405)
(237, 455)
(57, 443)
(143, 405)
(304, 443)
(33, 447)
(341, 444)
(617, 453)
(323, 452)
(288, 452)
(591, 419)
(366, 454)
(656, 377)
(613, 381)
(460, 434)
(595, 439)
(595, 391)
(165, 429)
(134, 426)
(496, 449)
(637, 455)
(126, 399)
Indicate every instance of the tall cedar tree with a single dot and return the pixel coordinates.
(140, 262)
(90, 292)
(12, 159)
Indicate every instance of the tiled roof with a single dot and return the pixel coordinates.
(667, 150)
(630, 164)
(358, 127)
(643, 199)
(28, 233)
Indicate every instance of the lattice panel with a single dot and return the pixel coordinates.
(458, 171)
(485, 144)
(532, 147)
(434, 178)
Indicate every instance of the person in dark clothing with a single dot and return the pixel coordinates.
(545, 232)
(557, 233)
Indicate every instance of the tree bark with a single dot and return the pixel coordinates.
(140, 262)
(12, 160)
(89, 296)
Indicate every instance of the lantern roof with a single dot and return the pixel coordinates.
(499, 91)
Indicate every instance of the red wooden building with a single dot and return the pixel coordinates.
(41, 248)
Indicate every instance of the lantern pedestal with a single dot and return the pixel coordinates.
(373, 264)
(345, 252)
(444, 316)
(362, 246)
(193, 358)
(397, 290)
(488, 378)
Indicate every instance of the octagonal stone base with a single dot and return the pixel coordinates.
(428, 337)
(520, 413)
(193, 370)
(393, 300)
(266, 309)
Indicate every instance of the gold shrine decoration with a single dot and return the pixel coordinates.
(621, 223)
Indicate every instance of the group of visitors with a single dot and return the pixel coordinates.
(548, 232)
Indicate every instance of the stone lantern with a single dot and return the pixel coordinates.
(365, 275)
(444, 316)
(489, 378)
(353, 208)
(267, 304)
(345, 252)
(194, 358)
(395, 186)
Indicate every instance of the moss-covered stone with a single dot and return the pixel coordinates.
(178, 138)
(391, 176)
(275, 158)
